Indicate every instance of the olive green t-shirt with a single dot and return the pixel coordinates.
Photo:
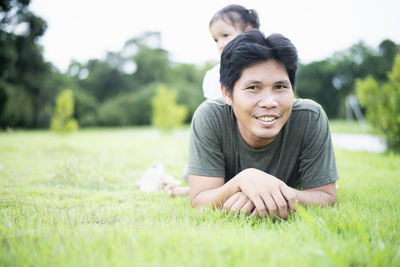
(301, 155)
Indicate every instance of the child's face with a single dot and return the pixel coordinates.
(223, 33)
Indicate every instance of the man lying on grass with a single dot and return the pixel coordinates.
(250, 153)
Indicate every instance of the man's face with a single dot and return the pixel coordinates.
(262, 100)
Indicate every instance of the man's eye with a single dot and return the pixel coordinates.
(215, 40)
(253, 87)
(226, 35)
(281, 86)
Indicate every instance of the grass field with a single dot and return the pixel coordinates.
(349, 127)
(72, 201)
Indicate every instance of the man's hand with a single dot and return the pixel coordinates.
(268, 194)
(239, 202)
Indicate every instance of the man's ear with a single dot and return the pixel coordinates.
(248, 28)
(226, 95)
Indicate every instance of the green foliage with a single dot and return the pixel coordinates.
(166, 113)
(22, 67)
(152, 65)
(18, 107)
(123, 95)
(382, 104)
(128, 109)
(187, 82)
(315, 82)
(330, 81)
(115, 90)
(85, 108)
(104, 81)
(152, 62)
(62, 120)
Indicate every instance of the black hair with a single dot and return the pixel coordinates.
(238, 16)
(252, 47)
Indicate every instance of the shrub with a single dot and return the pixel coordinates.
(189, 95)
(166, 113)
(85, 108)
(127, 108)
(62, 120)
(382, 104)
(18, 109)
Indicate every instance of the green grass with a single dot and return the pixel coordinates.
(349, 127)
(72, 201)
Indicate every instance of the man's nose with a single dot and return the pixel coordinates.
(268, 99)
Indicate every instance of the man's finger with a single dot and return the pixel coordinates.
(248, 207)
(237, 206)
(254, 213)
(290, 197)
(260, 205)
(230, 201)
(281, 204)
(271, 206)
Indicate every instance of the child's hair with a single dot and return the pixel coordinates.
(238, 16)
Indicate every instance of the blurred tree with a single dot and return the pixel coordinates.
(86, 106)
(133, 108)
(18, 110)
(386, 53)
(62, 120)
(103, 81)
(315, 82)
(382, 104)
(152, 65)
(21, 62)
(124, 83)
(330, 81)
(167, 114)
(187, 80)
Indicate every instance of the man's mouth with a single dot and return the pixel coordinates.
(266, 118)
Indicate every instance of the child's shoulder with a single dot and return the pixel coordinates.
(214, 70)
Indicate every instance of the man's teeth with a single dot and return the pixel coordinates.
(265, 118)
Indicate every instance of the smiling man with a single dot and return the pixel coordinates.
(261, 151)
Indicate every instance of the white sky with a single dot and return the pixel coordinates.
(85, 29)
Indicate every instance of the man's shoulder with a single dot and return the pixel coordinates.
(214, 113)
(213, 106)
(306, 105)
(213, 122)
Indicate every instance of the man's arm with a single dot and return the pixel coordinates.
(210, 191)
(321, 196)
(269, 195)
(253, 188)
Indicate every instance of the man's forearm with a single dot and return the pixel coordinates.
(215, 198)
(319, 198)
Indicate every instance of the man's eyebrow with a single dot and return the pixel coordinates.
(252, 82)
(256, 82)
(283, 81)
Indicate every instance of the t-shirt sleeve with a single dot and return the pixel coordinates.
(317, 164)
(205, 153)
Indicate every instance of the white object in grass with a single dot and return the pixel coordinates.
(154, 178)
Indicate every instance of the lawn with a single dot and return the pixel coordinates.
(71, 201)
(349, 127)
